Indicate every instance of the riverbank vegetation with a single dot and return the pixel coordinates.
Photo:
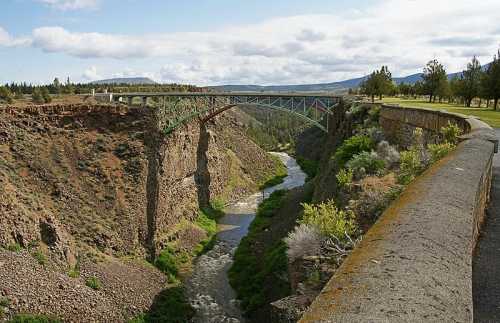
(277, 176)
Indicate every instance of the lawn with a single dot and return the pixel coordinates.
(489, 116)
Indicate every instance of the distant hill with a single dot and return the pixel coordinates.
(126, 80)
(337, 87)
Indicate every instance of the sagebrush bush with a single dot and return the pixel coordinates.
(451, 133)
(410, 167)
(438, 151)
(366, 163)
(388, 153)
(305, 240)
(353, 146)
(344, 177)
(329, 220)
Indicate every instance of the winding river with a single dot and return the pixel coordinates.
(208, 287)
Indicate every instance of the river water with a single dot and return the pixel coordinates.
(208, 287)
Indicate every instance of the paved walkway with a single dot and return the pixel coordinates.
(486, 267)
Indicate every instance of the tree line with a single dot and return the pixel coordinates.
(43, 93)
(474, 82)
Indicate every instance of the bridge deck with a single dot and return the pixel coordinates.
(230, 94)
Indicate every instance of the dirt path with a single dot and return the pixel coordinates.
(486, 266)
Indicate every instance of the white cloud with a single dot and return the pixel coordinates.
(8, 41)
(91, 74)
(301, 49)
(71, 4)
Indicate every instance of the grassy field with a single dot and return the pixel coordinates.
(489, 116)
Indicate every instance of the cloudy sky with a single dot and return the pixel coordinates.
(240, 41)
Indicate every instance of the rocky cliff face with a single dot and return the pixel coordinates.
(107, 178)
(87, 183)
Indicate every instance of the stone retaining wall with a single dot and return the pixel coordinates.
(415, 263)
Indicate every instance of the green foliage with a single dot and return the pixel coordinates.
(40, 257)
(16, 247)
(353, 146)
(310, 167)
(277, 177)
(167, 263)
(208, 223)
(37, 96)
(28, 318)
(451, 133)
(74, 273)
(6, 94)
(4, 302)
(378, 83)
(435, 80)
(269, 206)
(438, 151)
(411, 166)
(344, 177)
(329, 220)
(367, 162)
(94, 283)
(170, 306)
(217, 205)
(245, 275)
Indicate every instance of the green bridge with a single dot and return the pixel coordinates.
(179, 108)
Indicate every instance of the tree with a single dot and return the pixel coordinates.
(490, 82)
(5, 94)
(434, 79)
(37, 96)
(471, 79)
(46, 95)
(378, 83)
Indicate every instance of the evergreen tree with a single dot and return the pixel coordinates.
(471, 79)
(434, 80)
(490, 82)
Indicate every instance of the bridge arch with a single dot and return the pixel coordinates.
(179, 108)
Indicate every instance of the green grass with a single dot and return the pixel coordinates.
(28, 318)
(489, 116)
(248, 274)
(94, 283)
(16, 247)
(40, 257)
(278, 175)
(170, 306)
(310, 167)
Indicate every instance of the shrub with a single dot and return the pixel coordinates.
(329, 220)
(74, 273)
(388, 153)
(344, 177)
(166, 262)
(40, 257)
(170, 306)
(218, 205)
(366, 163)
(4, 302)
(94, 283)
(438, 151)
(310, 167)
(451, 133)
(353, 146)
(37, 96)
(305, 240)
(15, 247)
(410, 167)
(6, 94)
(269, 206)
(28, 318)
